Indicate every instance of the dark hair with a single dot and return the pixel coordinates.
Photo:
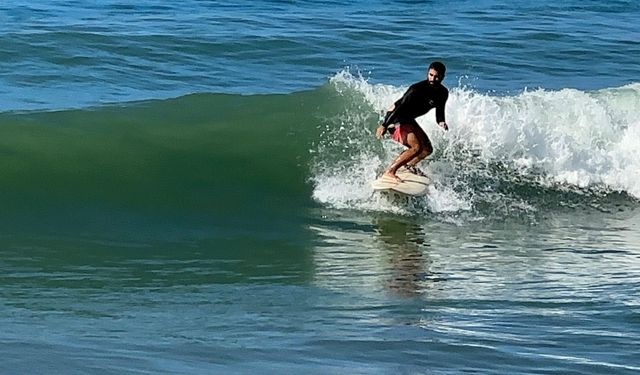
(438, 67)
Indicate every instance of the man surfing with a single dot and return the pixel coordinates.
(400, 120)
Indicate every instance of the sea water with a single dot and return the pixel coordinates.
(184, 188)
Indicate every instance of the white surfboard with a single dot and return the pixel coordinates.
(411, 184)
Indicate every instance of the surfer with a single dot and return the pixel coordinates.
(400, 119)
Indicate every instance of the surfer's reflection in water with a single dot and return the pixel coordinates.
(404, 245)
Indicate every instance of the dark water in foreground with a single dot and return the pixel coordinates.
(363, 294)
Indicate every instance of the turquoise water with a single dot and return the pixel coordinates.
(185, 189)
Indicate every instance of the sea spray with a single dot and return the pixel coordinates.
(346, 183)
(506, 153)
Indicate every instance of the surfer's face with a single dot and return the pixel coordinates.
(433, 76)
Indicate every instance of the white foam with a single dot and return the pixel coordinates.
(571, 137)
(577, 138)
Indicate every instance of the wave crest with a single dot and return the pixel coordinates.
(554, 141)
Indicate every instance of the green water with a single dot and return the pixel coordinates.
(363, 293)
(241, 162)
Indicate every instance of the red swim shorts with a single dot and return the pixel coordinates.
(401, 131)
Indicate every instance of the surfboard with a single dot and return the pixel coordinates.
(411, 184)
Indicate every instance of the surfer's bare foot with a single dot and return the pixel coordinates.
(392, 175)
(415, 170)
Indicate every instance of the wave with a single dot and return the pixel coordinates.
(503, 154)
(255, 156)
(237, 157)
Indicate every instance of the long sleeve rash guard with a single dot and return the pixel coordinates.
(419, 99)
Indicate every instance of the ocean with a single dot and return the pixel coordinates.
(185, 188)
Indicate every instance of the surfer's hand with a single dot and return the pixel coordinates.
(444, 125)
(380, 131)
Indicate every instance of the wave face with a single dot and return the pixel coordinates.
(260, 158)
(234, 161)
(514, 154)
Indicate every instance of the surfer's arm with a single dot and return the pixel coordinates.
(389, 116)
(388, 120)
(399, 107)
(380, 130)
(440, 119)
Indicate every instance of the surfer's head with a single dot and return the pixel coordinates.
(436, 71)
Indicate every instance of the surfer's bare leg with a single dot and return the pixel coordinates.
(413, 151)
(426, 149)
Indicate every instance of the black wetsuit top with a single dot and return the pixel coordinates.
(419, 99)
